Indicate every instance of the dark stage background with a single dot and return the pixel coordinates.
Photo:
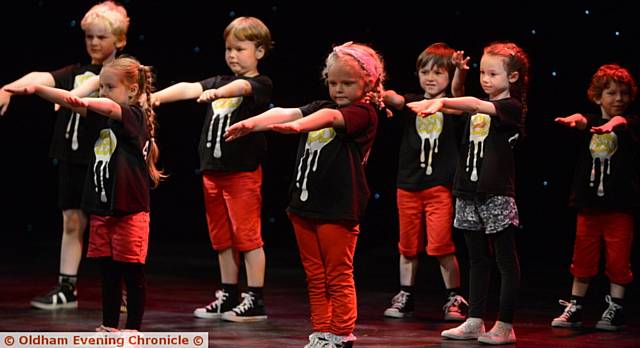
(183, 41)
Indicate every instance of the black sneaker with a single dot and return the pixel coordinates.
(64, 295)
(455, 309)
(612, 318)
(249, 310)
(401, 306)
(570, 317)
(214, 310)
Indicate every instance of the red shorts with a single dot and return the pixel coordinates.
(233, 202)
(123, 238)
(431, 208)
(616, 229)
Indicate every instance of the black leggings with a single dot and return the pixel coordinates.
(503, 245)
(112, 274)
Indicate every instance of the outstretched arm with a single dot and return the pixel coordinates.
(614, 123)
(261, 122)
(460, 75)
(103, 106)
(322, 118)
(55, 95)
(573, 121)
(84, 90)
(465, 104)
(393, 99)
(179, 91)
(32, 78)
(232, 89)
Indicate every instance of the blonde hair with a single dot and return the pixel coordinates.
(113, 15)
(369, 61)
(250, 29)
(132, 72)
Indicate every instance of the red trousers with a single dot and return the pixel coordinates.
(326, 251)
(616, 229)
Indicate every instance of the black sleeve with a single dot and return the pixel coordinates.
(63, 76)
(212, 82)
(509, 111)
(262, 89)
(133, 120)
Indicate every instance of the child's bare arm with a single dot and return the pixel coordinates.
(179, 91)
(574, 121)
(614, 123)
(235, 88)
(32, 78)
(55, 95)
(262, 122)
(322, 118)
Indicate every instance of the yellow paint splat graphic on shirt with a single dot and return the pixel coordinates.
(222, 110)
(602, 147)
(430, 128)
(316, 140)
(478, 132)
(103, 149)
(74, 120)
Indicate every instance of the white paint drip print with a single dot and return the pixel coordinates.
(478, 131)
(74, 120)
(429, 128)
(602, 147)
(104, 148)
(316, 140)
(222, 110)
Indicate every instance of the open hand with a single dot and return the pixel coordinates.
(238, 130)
(460, 61)
(566, 121)
(605, 128)
(21, 91)
(208, 96)
(76, 102)
(426, 107)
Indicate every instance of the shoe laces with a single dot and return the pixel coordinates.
(400, 300)
(246, 304)
(454, 302)
(500, 329)
(570, 308)
(610, 312)
(221, 295)
(470, 325)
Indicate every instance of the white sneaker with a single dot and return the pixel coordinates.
(471, 329)
(500, 333)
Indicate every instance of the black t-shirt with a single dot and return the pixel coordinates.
(607, 174)
(428, 148)
(486, 164)
(329, 179)
(118, 179)
(73, 135)
(243, 154)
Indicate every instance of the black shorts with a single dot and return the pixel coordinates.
(71, 183)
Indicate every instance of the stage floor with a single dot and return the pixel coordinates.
(179, 280)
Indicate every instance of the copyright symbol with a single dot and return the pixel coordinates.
(8, 340)
(198, 340)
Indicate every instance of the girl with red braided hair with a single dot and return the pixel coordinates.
(330, 192)
(121, 173)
